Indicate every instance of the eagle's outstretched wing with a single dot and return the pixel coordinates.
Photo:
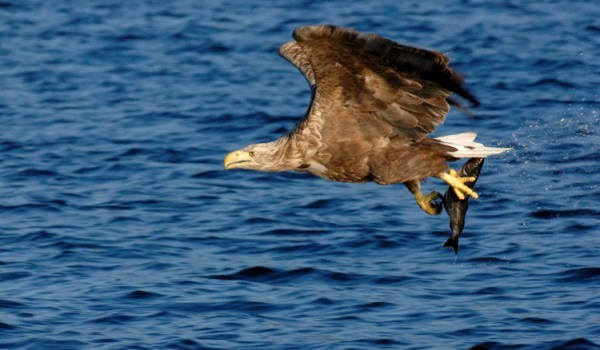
(365, 74)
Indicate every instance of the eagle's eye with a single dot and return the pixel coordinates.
(251, 153)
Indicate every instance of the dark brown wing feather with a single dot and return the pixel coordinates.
(404, 86)
(292, 52)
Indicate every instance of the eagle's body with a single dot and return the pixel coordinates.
(373, 104)
(355, 158)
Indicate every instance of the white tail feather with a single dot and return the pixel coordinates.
(467, 148)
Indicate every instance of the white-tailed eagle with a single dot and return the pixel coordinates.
(374, 102)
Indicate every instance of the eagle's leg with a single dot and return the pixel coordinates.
(458, 184)
(431, 203)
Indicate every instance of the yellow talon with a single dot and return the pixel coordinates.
(458, 184)
(431, 203)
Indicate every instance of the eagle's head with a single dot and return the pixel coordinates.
(260, 156)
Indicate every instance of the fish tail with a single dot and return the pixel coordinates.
(453, 242)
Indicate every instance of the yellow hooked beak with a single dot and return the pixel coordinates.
(236, 159)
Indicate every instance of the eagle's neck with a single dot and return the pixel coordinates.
(285, 154)
(296, 150)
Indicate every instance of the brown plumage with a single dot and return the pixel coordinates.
(373, 104)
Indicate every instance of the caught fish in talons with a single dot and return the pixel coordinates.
(456, 207)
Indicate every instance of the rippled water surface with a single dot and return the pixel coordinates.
(120, 229)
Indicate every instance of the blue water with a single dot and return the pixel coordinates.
(119, 228)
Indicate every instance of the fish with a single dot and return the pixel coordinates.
(457, 208)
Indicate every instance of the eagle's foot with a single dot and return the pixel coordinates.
(431, 204)
(458, 184)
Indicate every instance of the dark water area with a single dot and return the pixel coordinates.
(119, 228)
